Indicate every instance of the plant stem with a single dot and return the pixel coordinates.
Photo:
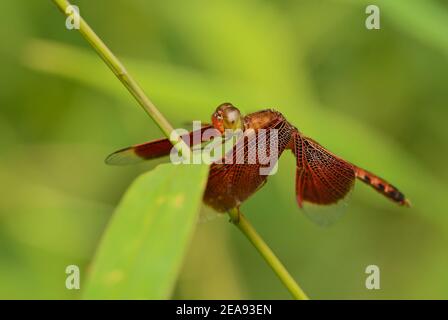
(122, 74)
(237, 218)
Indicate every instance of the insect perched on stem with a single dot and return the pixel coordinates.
(321, 177)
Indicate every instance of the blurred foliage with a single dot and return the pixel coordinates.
(377, 98)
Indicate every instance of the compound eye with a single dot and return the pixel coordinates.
(228, 117)
(232, 118)
(232, 115)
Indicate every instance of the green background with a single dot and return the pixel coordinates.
(375, 97)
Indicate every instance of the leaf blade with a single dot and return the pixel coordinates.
(143, 246)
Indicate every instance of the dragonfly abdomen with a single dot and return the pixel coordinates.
(382, 186)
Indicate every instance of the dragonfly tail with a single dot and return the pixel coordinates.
(382, 186)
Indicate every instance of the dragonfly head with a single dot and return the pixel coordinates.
(227, 116)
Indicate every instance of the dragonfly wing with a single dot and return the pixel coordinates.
(321, 177)
(234, 179)
(149, 150)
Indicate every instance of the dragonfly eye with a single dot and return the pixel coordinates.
(228, 117)
(232, 118)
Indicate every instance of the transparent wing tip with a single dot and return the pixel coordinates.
(122, 157)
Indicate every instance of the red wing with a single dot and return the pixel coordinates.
(149, 150)
(321, 177)
(232, 181)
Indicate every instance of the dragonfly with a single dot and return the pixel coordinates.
(321, 178)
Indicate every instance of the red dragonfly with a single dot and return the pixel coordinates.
(321, 177)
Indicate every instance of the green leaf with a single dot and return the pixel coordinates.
(142, 249)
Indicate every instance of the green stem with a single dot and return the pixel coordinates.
(128, 81)
(119, 70)
(239, 220)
